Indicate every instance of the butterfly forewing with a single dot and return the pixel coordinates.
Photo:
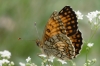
(51, 29)
(68, 17)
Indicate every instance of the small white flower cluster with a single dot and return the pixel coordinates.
(90, 62)
(79, 15)
(62, 61)
(51, 59)
(90, 44)
(28, 59)
(43, 55)
(4, 56)
(29, 63)
(94, 17)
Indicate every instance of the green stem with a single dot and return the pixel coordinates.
(90, 36)
(71, 62)
(92, 63)
(93, 34)
(60, 64)
(53, 63)
(86, 57)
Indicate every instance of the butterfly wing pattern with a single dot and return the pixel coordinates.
(68, 17)
(62, 38)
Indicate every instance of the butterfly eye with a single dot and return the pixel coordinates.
(38, 42)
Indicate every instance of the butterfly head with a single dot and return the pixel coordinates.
(38, 42)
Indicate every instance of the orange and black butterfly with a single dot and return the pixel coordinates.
(62, 37)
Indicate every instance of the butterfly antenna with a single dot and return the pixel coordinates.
(36, 29)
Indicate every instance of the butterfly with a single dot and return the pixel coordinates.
(62, 37)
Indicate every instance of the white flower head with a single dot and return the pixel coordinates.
(0, 61)
(28, 59)
(62, 61)
(4, 61)
(85, 64)
(33, 64)
(74, 64)
(95, 23)
(89, 61)
(5, 53)
(22, 64)
(97, 12)
(90, 44)
(94, 60)
(51, 58)
(42, 55)
(12, 63)
(42, 64)
(49, 65)
(0, 64)
(99, 17)
(79, 15)
(92, 17)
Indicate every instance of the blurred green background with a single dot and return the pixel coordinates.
(17, 19)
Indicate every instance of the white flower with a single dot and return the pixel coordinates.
(85, 64)
(33, 64)
(49, 65)
(0, 64)
(94, 60)
(51, 58)
(42, 64)
(22, 64)
(4, 61)
(97, 12)
(90, 44)
(5, 53)
(99, 17)
(62, 61)
(92, 15)
(74, 64)
(0, 61)
(89, 61)
(42, 55)
(45, 60)
(28, 59)
(94, 18)
(12, 63)
(79, 15)
(95, 23)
